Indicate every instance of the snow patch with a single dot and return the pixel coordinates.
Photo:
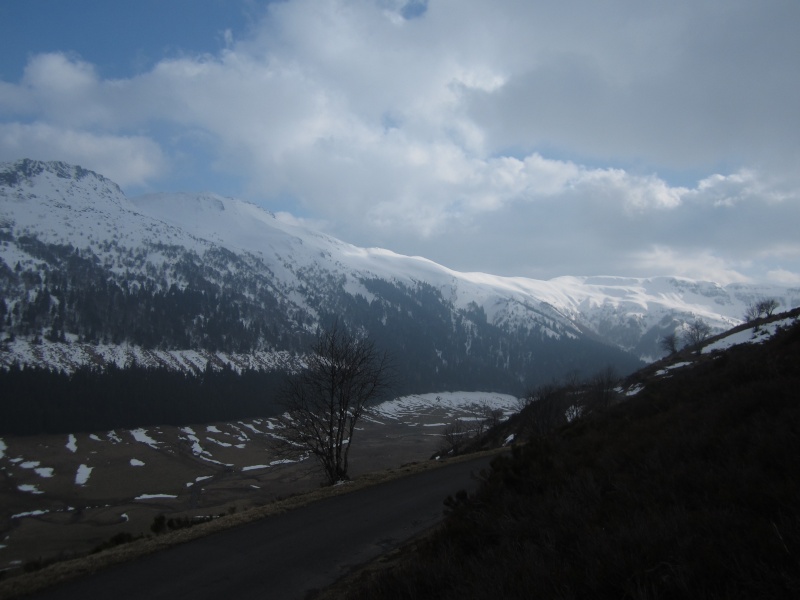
(32, 513)
(140, 435)
(749, 336)
(27, 487)
(82, 476)
(223, 444)
(136, 463)
(152, 496)
(72, 443)
(679, 365)
(199, 479)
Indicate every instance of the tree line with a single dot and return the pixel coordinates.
(41, 401)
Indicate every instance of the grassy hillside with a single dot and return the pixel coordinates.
(691, 488)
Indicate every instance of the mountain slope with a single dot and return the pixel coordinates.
(687, 490)
(86, 271)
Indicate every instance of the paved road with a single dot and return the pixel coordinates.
(285, 556)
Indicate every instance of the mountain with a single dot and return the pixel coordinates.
(182, 281)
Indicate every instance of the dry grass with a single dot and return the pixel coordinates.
(27, 583)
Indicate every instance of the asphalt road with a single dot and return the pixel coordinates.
(289, 555)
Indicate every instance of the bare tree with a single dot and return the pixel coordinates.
(696, 334)
(752, 313)
(765, 307)
(455, 436)
(491, 416)
(669, 343)
(325, 401)
(768, 306)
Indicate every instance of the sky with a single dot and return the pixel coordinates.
(514, 137)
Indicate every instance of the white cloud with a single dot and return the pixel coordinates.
(126, 160)
(784, 277)
(527, 138)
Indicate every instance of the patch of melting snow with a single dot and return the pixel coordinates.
(112, 435)
(634, 390)
(30, 464)
(82, 476)
(286, 461)
(152, 496)
(461, 401)
(46, 472)
(124, 517)
(199, 479)
(95, 438)
(215, 462)
(3, 448)
(212, 429)
(251, 427)
(508, 440)
(32, 513)
(140, 435)
(223, 444)
(72, 443)
(254, 467)
(27, 487)
(197, 449)
(749, 336)
(665, 370)
(135, 462)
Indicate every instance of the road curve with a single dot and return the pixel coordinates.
(289, 555)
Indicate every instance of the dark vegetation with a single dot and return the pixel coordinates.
(690, 489)
(40, 401)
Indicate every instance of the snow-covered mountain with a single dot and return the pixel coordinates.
(88, 274)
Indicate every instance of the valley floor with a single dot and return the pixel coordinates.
(64, 495)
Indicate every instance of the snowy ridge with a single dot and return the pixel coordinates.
(72, 207)
(564, 304)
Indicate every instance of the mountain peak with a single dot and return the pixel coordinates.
(27, 170)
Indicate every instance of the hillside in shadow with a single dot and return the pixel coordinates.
(686, 487)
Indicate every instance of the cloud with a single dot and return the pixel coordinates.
(126, 160)
(540, 139)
